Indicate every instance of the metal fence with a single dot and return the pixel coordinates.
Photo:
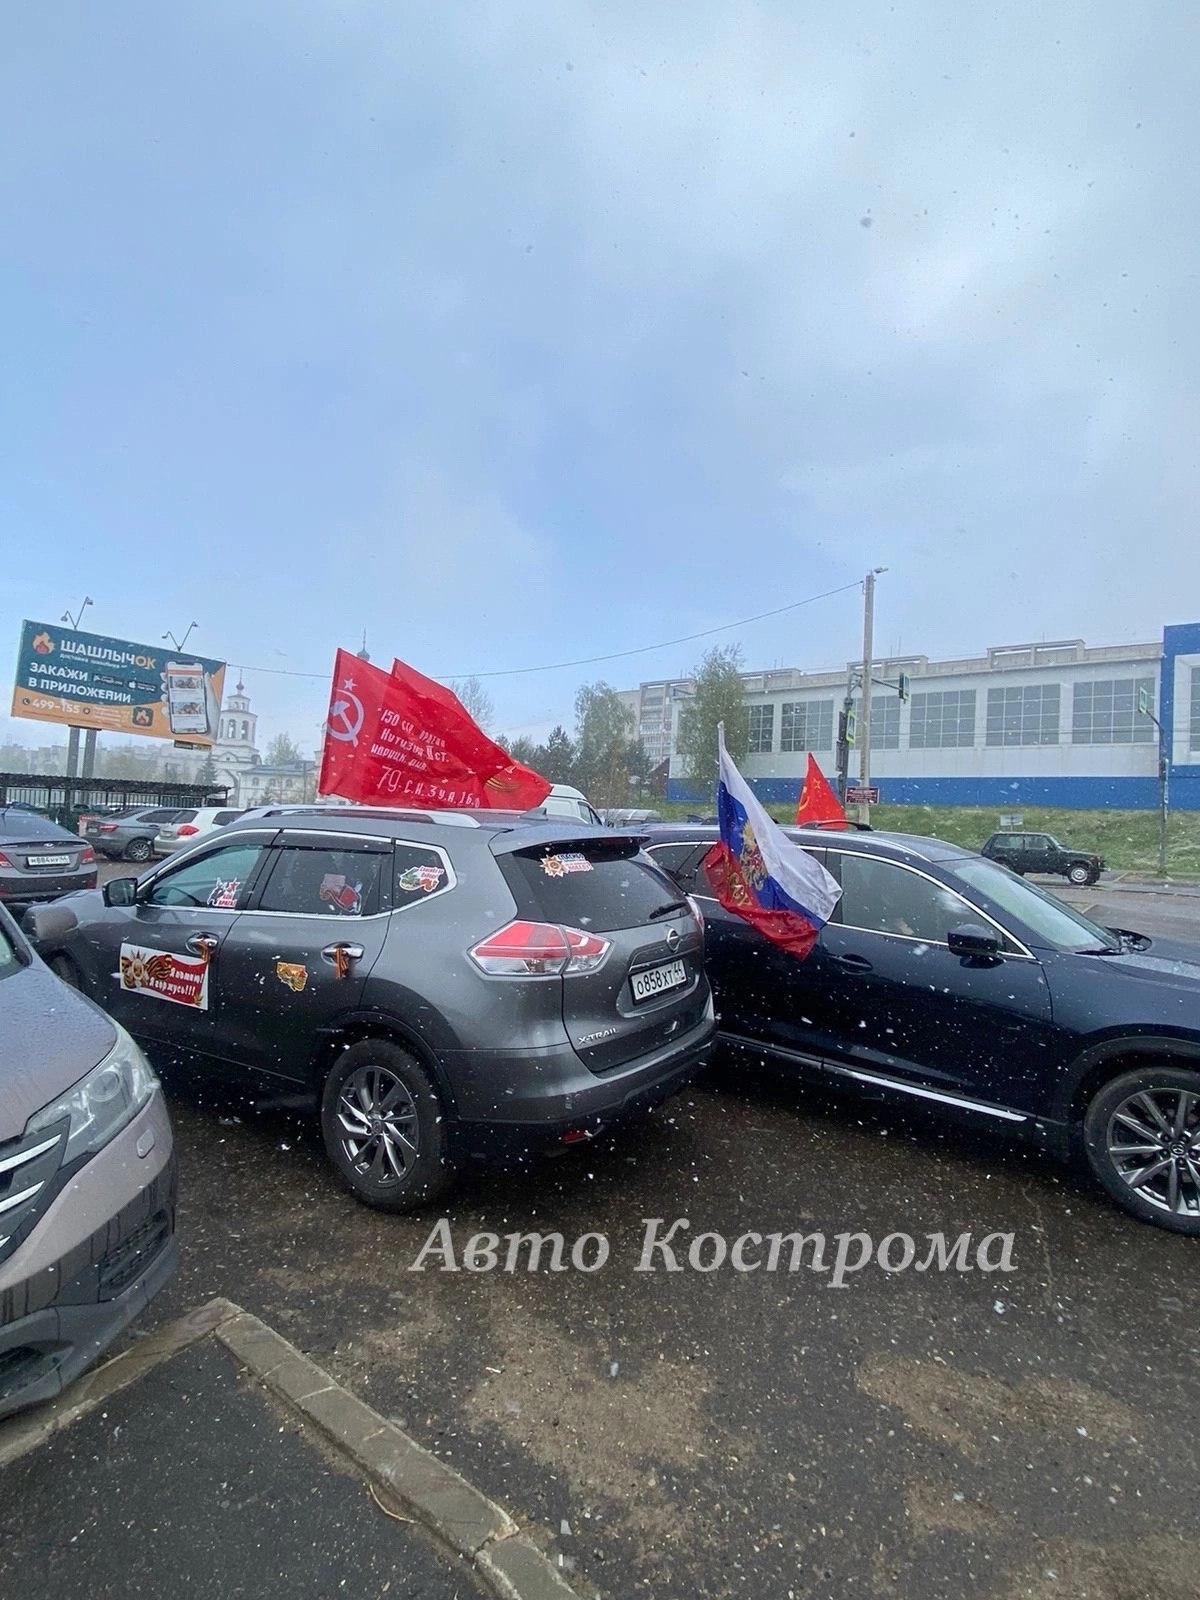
(65, 800)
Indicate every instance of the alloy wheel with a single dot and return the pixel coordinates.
(1153, 1143)
(379, 1129)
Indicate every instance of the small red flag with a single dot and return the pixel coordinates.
(819, 807)
(401, 739)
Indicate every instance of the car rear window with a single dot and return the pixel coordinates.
(585, 885)
(28, 825)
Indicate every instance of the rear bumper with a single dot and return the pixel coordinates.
(94, 1261)
(31, 889)
(521, 1101)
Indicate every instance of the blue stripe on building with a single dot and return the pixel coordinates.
(1007, 794)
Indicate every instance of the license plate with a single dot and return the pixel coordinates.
(47, 861)
(657, 980)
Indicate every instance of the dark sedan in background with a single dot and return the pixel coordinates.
(947, 981)
(128, 833)
(39, 860)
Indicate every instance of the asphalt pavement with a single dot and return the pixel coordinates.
(191, 1481)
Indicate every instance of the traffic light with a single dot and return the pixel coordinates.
(902, 687)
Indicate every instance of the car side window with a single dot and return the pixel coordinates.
(681, 861)
(885, 897)
(218, 880)
(324, 881)
(420, 872)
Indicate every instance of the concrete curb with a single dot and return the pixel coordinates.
(400, 1472)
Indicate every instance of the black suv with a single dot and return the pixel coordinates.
(1042, 852)
(444, 984)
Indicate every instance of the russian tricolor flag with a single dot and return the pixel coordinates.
(760, 875)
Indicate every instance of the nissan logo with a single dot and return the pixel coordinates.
(674, 939)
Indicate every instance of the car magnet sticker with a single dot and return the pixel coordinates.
(183, 980)
(292, 973)
(421, 879)
(342, 896)
(224, 895)
(559, 866)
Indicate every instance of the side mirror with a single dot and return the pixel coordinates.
(120, 891)
(973, 939)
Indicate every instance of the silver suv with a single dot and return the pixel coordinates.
(444, 985)
(87, 1179)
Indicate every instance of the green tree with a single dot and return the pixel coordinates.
(557, 757)
(283, 751)
(719, 696)
(604, 730)
(207, 771)
(522, 749)
(476, 699)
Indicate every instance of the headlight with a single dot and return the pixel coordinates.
(101, 1104)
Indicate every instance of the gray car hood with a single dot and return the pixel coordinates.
(50, 1037)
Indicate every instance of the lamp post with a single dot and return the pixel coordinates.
(1164, 774)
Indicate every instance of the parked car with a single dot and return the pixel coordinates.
(190, 825)
(129, 832)
(39, 860)
(87, 1179)
(564, 801)
(626, 817)
(443, 985)
(944, 980)
(1042, 852)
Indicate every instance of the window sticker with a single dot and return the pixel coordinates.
(342, 895)
(560, 866)
(417, 880)
(225, 895)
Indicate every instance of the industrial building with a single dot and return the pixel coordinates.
(1052, 724)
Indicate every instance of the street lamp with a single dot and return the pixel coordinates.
(74, 620)
(1143, 706)
(179, 643)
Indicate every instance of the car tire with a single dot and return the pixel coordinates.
(139, 850)
(63, 967)
(1079, 873)
(384, 1127)
(1141, 1134)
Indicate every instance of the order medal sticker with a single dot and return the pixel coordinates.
(559, 866)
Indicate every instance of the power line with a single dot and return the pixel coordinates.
(615, 655)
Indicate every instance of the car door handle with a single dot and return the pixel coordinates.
(203, 944)
(343, 952)
(853, 963)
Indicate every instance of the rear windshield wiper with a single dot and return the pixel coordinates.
(670, 909)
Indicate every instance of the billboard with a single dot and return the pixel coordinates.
(87, 681)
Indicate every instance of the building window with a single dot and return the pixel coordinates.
(1194, 734)
(1106, 712)
(885, 724)
(943, 721)
(1025, 714)
(762, 730)
(806, 725)
(245, 730)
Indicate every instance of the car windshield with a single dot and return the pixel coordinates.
(1058, 924)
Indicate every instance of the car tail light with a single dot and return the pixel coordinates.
(696, 911)
(107, 827)
(538, 950)
(5, 862)
(87, 857)
(185, 830)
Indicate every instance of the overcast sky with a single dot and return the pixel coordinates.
(515, 333)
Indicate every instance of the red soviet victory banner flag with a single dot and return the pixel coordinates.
(404, 740)
(819, 807)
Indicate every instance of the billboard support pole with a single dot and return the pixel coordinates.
(88, 770)
(72, 752)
